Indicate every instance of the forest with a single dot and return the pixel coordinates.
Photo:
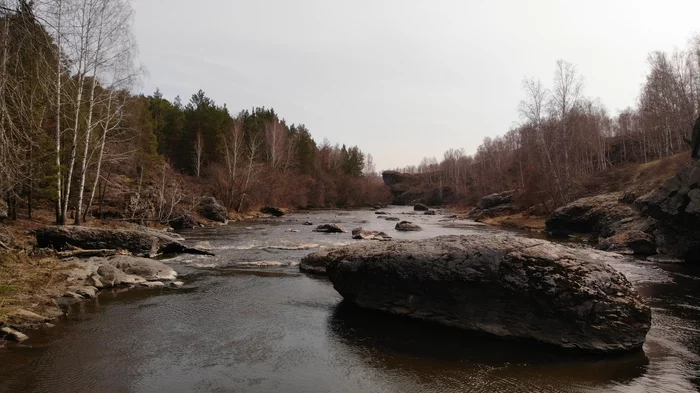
(565, 138)
(75, 140)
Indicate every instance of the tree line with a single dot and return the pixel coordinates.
(73, 136)
(564, 137)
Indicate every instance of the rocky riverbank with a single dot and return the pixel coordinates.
(504, 286)
(68, 264)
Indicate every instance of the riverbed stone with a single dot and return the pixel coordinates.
(506, 286)
(149, 269)
(330, 228)
(273, 211)
(421, 207)
(13, 335)
(363, 234)
(407, 226)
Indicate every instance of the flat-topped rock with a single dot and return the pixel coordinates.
(505, 286)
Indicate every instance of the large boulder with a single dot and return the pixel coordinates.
(273, 211)
(314, 263)
(149, 269)
(142, 241)
(211, 209)
(421, 207)
(505, 286)
(676, 207)
(495, 205)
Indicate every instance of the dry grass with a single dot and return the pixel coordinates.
(27, 283)
(518, 221)
(638, 179)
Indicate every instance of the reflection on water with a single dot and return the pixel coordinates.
(238, 326)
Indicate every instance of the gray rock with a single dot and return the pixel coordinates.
(142, 241)
(176, 284)
(308, 223)
(94, 281)
(421, 207)
(362, 234)
(630, 242)
(330, 228)
(505, 286)
(111, 276)
(86, 292)
(149, 269)
(393, 219)
(407, 226)
(430, 213)
(496, 205)
(620, 227)
(13, 335)
(212, 210)
(152, 284)
(314, 263)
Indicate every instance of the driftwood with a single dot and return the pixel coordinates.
(80, 253)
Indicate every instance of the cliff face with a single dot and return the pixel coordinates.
(413, 188)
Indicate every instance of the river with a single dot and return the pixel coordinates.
(248, 321)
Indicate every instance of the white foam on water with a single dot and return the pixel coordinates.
(293, 247)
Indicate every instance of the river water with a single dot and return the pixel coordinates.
(248, 321)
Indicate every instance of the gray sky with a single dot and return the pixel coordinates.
(402, 79)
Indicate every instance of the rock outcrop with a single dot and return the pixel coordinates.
(330, 228)
(273, 211)
(142, 241)
(617, 226)
(505, 286)
(407, 226)
(676, 207)
(495, 205)
(211, 209)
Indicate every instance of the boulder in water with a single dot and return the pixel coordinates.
(407, 226)
(330, 228)
(505, 286)
(421, 207)
(362, 234)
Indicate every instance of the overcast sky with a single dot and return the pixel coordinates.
(401, 79)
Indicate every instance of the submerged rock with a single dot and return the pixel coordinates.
(407, 226)
(505, 286)
(330, 228)
(13, 335)
(430, 213)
